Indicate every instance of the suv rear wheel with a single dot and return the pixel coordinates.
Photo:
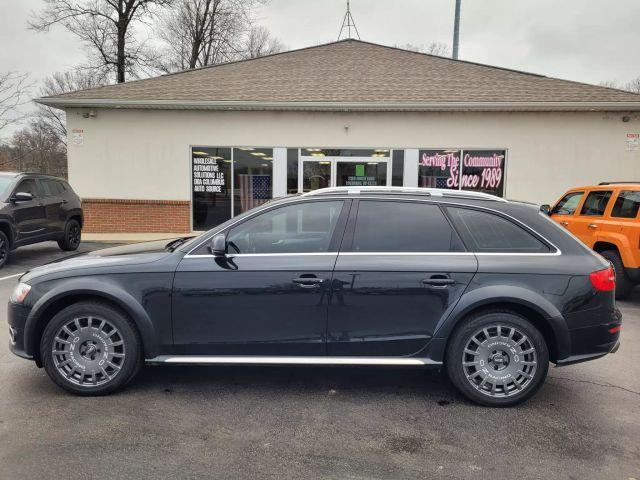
(91, 348)
(497, 358)
(72, 235)
(624, 285)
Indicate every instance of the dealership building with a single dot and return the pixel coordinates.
(186, 151)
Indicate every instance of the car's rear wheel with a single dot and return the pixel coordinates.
(497, 358)
(5, 248)
(624, 285)
(72, 236)
(91, 348)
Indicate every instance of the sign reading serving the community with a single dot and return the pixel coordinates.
(479, 170)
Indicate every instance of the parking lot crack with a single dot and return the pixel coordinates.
(606, 385)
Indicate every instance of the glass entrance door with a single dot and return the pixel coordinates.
(361, 173)
(343, 172)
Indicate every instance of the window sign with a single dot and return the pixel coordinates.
(439, 169)
(475, 170)
(483, 171)
(211, 186)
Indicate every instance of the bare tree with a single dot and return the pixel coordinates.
(106, 27)
(259, 42)
(439, 49)
(59, 83)
(197, 33)
(631, 86)
(14, 90)
(36, 148)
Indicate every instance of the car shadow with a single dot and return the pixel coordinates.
(296, 379)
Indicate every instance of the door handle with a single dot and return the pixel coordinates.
(593, 226)
(308, 282)
(64, 201)
(564, 223)
(439, 281)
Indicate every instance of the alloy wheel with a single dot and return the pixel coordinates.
(74, 235)
(499, 361)
(88, 351)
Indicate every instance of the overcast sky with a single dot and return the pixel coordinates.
(583, 40)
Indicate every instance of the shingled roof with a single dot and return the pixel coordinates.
(352, 75)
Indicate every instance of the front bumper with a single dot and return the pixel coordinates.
(17, 317)
(595, 341)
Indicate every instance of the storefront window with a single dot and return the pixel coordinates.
(474, 170)
(252, 174)
(361, 174)
(228, 181)
(211, 186)
(345, 152)
(439, 168)
(397, 168)
(483, 171)
(315, 174)
(292, 170)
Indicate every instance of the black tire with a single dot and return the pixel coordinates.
(61, 352)
(506, 364)
(5, 248)
(72, 236)
(624, 285)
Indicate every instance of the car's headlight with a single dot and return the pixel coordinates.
(20, 293)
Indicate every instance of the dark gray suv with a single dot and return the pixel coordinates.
(36, 208)
(490, 290)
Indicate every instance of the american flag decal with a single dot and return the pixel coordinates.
(254, 190)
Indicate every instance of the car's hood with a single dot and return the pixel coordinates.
(125, 255)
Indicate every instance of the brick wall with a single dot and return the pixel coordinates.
(104, 215)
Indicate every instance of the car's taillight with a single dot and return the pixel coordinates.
(603, 280)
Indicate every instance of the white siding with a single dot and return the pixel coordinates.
(144, 154)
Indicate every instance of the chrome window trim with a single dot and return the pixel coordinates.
(302, 198)
(290, 360)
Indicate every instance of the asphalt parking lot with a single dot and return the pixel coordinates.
(311, 422)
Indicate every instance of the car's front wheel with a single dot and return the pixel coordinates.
(72, 235)
(91, 348)
(497, 358)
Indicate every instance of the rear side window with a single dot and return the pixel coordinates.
(486, 232)
(626, 205)
(596, 203)
(403, 227)
(568, 204)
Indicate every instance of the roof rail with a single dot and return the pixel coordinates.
(617, 183)
(432, 192)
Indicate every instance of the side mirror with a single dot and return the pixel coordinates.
(218, 246)
(546, 209)
(21, 197)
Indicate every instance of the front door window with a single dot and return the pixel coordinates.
(361, 174)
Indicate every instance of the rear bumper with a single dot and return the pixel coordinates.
(595, 341)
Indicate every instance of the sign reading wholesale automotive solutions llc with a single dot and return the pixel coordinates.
(477, 170)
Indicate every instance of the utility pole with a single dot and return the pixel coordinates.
(347, 23)
(456, 31)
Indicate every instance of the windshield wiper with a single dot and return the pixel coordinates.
(173, 244)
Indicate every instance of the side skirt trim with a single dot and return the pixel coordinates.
(274, 360)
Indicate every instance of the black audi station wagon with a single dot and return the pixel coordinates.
(488, 289)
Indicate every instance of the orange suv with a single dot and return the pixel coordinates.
(605, 218)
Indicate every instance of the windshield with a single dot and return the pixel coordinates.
(5, 182)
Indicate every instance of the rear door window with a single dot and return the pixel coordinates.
(383, 226)
(627, 204)
(568, 204)
(486, 232)
(596, 203)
